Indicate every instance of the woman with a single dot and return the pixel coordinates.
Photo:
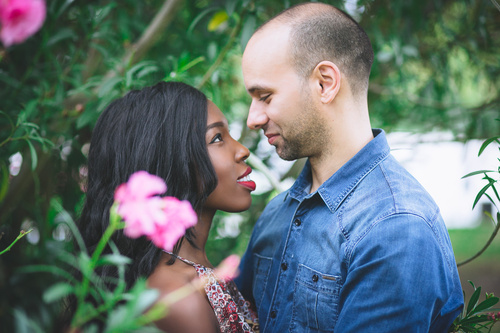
(171, 130)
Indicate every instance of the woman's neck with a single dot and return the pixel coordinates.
(196, 251)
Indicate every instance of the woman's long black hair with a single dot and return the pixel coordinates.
(159, 129)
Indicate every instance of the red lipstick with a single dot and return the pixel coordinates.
(246, 181)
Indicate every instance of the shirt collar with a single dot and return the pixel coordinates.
(336, 188)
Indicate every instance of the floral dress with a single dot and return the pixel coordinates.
(233, 312)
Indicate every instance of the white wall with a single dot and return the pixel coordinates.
(439, 163)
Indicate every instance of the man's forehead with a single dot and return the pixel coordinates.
(271, 37)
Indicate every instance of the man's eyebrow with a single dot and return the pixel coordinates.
(216, 124)
(256, 89)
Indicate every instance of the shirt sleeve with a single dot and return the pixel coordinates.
(399, 277)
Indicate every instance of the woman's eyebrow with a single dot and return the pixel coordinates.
(216, 124)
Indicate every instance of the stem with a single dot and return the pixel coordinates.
(493, 235)
(21, 235)
(114, 224)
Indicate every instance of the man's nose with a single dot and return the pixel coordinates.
(257, 116)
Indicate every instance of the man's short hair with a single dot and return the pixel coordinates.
(322, 32)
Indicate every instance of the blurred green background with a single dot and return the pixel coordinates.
(437, 68)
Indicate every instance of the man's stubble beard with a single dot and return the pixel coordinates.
(306, 136)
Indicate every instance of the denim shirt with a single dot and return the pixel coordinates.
(367, 252)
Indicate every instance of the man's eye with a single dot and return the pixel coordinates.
(264, 98)
(216, 138)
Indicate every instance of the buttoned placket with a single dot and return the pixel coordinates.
(278, 295)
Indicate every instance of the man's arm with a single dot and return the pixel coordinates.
(400, 278)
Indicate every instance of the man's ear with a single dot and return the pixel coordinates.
(326, 78)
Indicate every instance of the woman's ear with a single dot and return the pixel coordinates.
(326, 78)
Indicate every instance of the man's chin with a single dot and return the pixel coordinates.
(285, 154)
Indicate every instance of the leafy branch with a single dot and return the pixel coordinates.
(482, 193)
(473, 319)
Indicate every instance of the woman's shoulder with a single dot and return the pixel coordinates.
(167, 278)
(192, 312)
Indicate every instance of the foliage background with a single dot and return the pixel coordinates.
(437, 68)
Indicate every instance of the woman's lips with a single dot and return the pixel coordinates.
(249, 184)
(245, 180)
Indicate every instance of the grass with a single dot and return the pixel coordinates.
(467, 242)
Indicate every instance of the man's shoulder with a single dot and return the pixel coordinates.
(388, 190)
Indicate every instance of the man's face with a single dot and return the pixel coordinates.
(281, 100)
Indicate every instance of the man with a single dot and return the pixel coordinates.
(356, 244)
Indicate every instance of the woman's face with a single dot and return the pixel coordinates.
(232, 193)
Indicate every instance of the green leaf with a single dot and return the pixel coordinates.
(46, 269)
(68, 220)
(247, 30)
(480, 194)
(129, 76)
(477, 173)
(486, 144)
(86, 118)
(198, 18)
(147, 70)
(62, 34)
(217, 20)
(145, 299)
(108, 86)
(113, 259)
(486, 304)
(474, 319)
(473, 300)
(57, 291)
(84, 264)
(4, 183)
(117, 318)
(103, 12)
(34, 156)
(190, 64)
(230, 6)
(24, 323)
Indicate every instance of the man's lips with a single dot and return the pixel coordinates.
(245, 181)
(271, 138)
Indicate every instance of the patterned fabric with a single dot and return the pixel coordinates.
(233, 312)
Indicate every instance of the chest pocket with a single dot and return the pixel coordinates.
(315, 301)
(262, 265)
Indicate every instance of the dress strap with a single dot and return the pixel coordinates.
(189, 262)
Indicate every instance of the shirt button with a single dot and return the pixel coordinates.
(273, 314)
(297, 222)
(315, 278)
(284, 266)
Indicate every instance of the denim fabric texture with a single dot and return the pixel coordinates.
(367, 252)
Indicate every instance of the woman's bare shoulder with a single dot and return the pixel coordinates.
(193, 312)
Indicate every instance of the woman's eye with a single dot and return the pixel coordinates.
(264, 98)
(216, 138)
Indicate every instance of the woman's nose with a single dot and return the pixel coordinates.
(242, 152)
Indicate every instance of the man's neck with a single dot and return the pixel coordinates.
(331, 160)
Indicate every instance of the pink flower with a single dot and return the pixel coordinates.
(141, 185)
(179, 216)
(163, 220)
(20, 19)
(228, 268)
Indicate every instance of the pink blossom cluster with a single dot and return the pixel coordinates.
(162, 219)
(19, 19)
(494, 316)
